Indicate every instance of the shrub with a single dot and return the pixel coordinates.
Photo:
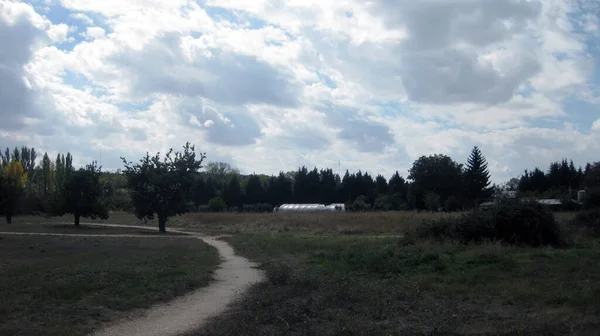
(258, 207)
(451, 204)
(588, 219)
(592, 199)
(510, 221)
(384, 203)
(360, 204)
(432, 201)
(217, 204)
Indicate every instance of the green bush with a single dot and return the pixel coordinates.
(360, 204)
(384, 203)
(452, 204)
(217, 204)
(258, 207)
(509, 221)
(592, 199)
(588, 219)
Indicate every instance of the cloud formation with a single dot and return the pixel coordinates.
(269, 85)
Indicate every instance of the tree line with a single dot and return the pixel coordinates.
(179, 182)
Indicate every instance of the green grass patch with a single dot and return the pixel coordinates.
(50, 227)
(71, 285)
(358, 286)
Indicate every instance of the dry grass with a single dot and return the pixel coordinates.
(351, 285)
(314, 223)
(70, 285)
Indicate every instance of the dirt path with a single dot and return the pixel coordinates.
(189, 312)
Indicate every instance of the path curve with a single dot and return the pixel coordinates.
(188, 312)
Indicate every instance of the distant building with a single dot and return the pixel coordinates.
(335, 207)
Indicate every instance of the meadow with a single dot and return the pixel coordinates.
(69, 285)
(327, 274)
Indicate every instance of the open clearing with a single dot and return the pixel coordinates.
(325, 275)
(53, 285)
(351, 285)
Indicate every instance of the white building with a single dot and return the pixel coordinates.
(336, 207)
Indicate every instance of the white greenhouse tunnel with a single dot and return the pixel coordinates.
(335, 207)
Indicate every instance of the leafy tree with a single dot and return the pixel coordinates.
(83, 194)
(511, 185)
(163, 187)
(13, 181)
(477, 177)
(435, 173)
(432, 201)
(220, 172)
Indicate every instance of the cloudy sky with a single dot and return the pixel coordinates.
(269, 85)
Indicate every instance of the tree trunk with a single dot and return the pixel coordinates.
(162, 223)
(77, 217)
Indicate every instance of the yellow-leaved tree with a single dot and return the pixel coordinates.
(12, 182)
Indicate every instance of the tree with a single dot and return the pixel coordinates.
(232, 195)
(511, 185)
(83, 194)
(221, 172)
(255, 192)
(163, 187)
(12, 188)
(435, 173)
(280, 189)
(381, 185)
(477, 177)
(592, 175)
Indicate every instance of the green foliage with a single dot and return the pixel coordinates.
(431, 201)
(259, 207)
(589, 219)
(163, 187)
(592, 199)
(510, 221)
(438, 174)
(232, 194)
(12, 188)
(452, 204)
(477, 177)
(217, 204)
(385, 203)
(255, 191)
(360, 204)
(82, 194)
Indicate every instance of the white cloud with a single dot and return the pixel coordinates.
(93, 33)
(273, 85)
(83, 18)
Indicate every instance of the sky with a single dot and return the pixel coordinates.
(271, 85)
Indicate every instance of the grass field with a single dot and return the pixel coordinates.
(49, 227)
(368, 223)
(328, 276)
(71, 285)
(352, 285)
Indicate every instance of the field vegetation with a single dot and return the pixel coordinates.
(418, 284)
(64, 286)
